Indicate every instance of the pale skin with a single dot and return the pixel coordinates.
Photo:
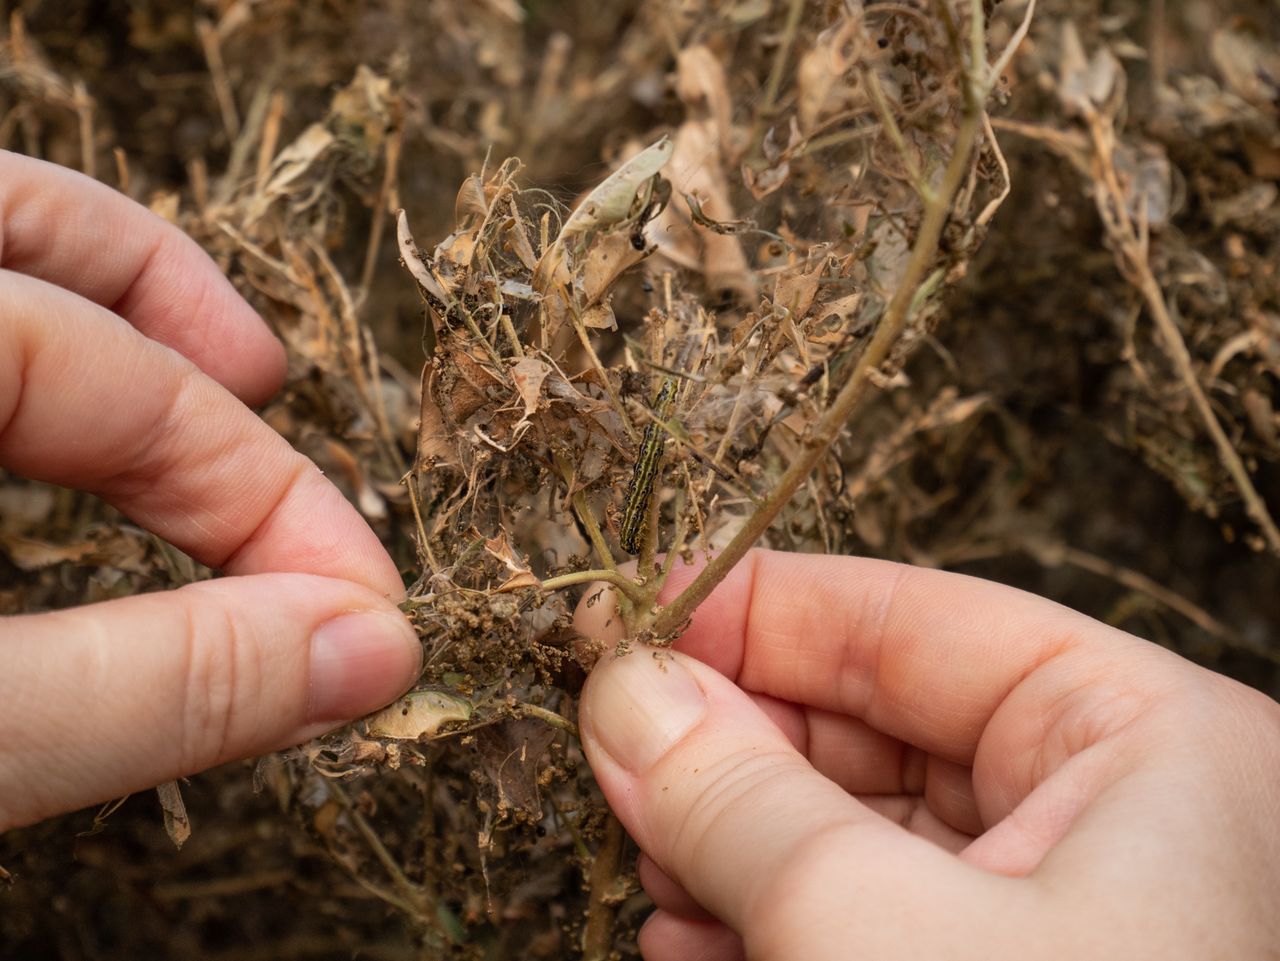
(126, 363)
(847, 758)
(856, 759)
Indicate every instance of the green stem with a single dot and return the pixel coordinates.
(620, 581)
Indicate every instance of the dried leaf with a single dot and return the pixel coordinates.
(470, 200)
(510, 754)
(518, 241)
(1088, 83)
(1262, 417)
(611, 202)
(528, 375)
(500, 547)
(599, 317)
(292, 169)
(413, 261)
(31, 554)
(1248, 66)
(176, 823)
(518, 582)
(701, 85)
(435, 441)
(419, 714)
(796, 289)
(696, 169)
(764, 182)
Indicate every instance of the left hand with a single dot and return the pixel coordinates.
(126, 362)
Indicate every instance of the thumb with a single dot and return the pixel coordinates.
(716, 794)
(104, 700)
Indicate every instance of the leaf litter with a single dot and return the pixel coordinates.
(489, 233)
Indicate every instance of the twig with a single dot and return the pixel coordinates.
(410, 482)
(410, 892)
(1052, 554)
(774, 83)
(581, 331)
(620, 581)
(588, 518)
(889, 123)
(1130, 241)
(208, 34)
(1006, 56)
(270, 139)
(550, 718)
(84, 113)
(381, 208)
(597, 937)
(997, 202)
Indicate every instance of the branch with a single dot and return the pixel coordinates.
(937, 209)
(620, 581)
(597, 938)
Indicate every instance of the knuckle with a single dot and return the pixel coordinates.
(725, 791)
(223, 672)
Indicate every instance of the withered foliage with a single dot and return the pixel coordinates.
(495, 235)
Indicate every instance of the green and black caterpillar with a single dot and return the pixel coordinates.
(635, 508)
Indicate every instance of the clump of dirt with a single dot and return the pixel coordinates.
(561, 284)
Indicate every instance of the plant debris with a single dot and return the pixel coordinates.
(565, 282)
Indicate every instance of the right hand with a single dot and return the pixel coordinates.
(851, 759)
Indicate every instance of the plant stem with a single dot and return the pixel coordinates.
(620, 581)
(597, 939)
(774, 83)
(1130, 239)
(588, 519)
(937, 208)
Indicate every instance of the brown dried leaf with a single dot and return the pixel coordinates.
(765, 182)
(518, 241)
(32, 554)
(1088, 83)
(608, 259)
(1248, 66)
(434, 443)
(176, 823)
(413, 261)
(820, 74)
(509, 755)
(1262, 417)
(702, 86)
(500, 548)
(599, 317)
(518, 582)
(528, 375)
(696, 169)
(292, 169)
(471, 199)
(796, 289)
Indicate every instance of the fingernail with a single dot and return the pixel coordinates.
(359, 663)
(639, 705)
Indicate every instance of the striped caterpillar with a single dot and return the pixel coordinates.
(635, 508)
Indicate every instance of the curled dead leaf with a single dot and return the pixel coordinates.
(419, 714)
(528, 374)
(609, 204)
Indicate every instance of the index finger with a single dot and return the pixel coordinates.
(63, 228)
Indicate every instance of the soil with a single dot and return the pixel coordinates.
(479, 378)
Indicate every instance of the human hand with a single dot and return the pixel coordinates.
(857, 759)
(104, 700)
